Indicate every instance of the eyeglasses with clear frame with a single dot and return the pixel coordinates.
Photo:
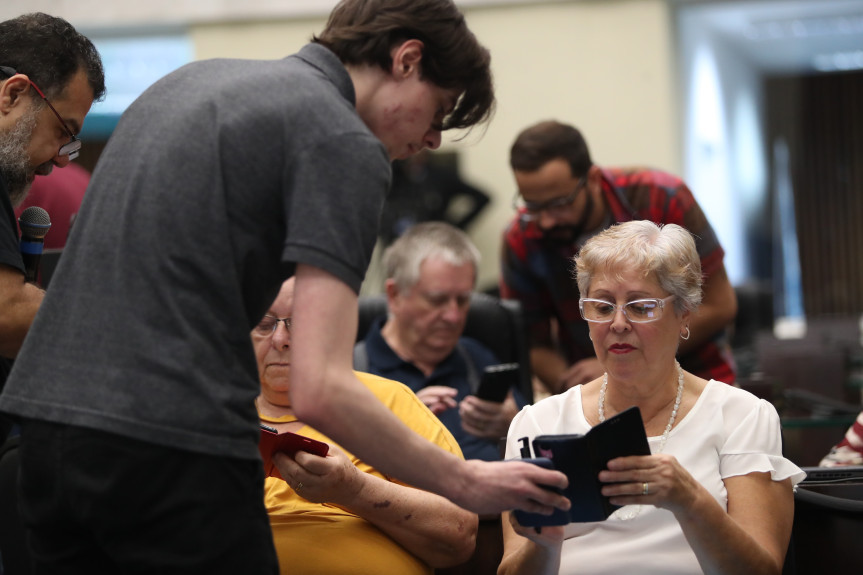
(267, 326)
(530, 211)
(72, 148)
(643, 310)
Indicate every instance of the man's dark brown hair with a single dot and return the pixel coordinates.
(365, 31)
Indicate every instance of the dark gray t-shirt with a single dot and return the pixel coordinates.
(10, 255)
(217, 181)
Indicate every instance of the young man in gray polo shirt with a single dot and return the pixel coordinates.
(137, 384)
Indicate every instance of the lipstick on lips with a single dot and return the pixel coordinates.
(620, 348)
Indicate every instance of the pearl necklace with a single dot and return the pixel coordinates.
(665, 433)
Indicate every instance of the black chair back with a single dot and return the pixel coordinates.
(828, 521)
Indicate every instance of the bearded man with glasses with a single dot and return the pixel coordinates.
(563, 199)
(49, 77)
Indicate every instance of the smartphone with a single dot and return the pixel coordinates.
(558, 517)
(289, 442)
(272, 441)
(497, 380)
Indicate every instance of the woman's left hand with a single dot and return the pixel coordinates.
(649, 480)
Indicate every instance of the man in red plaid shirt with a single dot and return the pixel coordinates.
(563, 199)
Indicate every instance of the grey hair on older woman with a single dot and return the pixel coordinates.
(666, 251)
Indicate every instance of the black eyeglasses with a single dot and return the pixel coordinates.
(269, 323)
(73, 147)
(554, 206)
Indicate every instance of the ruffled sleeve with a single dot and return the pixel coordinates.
(755, 446)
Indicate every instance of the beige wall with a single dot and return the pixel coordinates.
(606, 66)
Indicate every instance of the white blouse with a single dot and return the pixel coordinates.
(728, 432)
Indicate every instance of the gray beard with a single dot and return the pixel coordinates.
(14, 158)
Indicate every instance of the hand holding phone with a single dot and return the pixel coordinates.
(286, 442)
(581, 457)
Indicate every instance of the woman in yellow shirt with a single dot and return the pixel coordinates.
(337, 514)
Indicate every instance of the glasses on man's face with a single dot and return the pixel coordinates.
(637, 311)
(267, 326)
(73, 147)
(555, 207)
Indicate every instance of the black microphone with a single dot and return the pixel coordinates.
(34, 223)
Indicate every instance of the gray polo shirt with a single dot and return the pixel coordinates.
(217, 181)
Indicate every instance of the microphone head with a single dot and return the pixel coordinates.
(34, 222)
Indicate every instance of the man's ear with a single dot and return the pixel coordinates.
(391, 290)
(407, 59)
(594, 175)
(594, 180)
(14, 92)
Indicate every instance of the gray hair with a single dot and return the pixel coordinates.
(666, 251)
(403, 258)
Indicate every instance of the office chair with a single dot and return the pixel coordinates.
(828, 521)
(13, 545)
(498, 324)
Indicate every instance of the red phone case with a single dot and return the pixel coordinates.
(286, 442)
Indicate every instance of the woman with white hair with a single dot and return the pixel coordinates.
(715, 495)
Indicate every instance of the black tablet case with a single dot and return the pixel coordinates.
(581, 458)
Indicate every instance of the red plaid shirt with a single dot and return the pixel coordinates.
(540, 274)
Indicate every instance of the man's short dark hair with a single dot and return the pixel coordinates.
(365, 31)
(50, 52)
(539, 144)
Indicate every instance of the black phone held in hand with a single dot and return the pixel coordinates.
(558, 516)
(581, 458)
(497, 380)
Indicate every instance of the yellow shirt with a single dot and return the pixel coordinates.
(319, 539)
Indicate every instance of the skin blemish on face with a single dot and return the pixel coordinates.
(408, 516)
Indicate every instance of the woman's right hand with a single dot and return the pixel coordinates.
(548, 536)
(530, 550)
